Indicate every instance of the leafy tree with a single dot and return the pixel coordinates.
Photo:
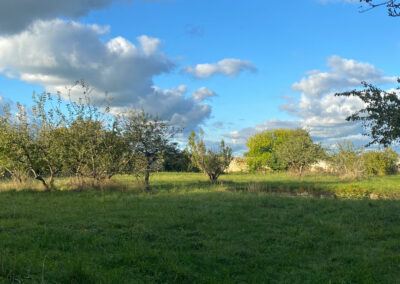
(12, 158)
(177, 160)
(298, 151)
(148, 138)
(381, 116)
(212, 162)
(263, 148)
(30, 136)
(93, 145)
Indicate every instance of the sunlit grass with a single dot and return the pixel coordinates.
(247, 229)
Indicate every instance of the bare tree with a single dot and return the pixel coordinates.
(393, 6)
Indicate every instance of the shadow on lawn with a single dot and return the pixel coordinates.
(291, 187)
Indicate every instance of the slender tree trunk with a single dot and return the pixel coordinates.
(51, 182)
(41, 179)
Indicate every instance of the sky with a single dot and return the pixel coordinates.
(230, 67)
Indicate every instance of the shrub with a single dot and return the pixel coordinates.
(213, 162)
(347, 160)
(380, 162)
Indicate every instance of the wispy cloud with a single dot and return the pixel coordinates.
(228, 67)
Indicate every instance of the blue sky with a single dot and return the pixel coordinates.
(231, 67)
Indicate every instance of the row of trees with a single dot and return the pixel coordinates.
(75, 138)
(284, 149)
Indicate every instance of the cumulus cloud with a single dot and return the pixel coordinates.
(343, 73)
(17, 15)
(203, 93)
(56, 53)
(318, 109)
(229, 67)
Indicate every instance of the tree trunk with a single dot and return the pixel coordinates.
(146, 179)
(39, 178)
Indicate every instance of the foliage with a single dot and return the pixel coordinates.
(263, 148)
(147, 138)
(298, 151)
(177, 160)
(212, 162)
(347, 160)
(380, 162)
(27, 144)
(75, 137)
(380, 117)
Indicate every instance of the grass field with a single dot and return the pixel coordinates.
(248, 229)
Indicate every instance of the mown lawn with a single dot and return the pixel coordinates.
(248, 229)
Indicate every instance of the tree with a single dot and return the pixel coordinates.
(263, 148)
(93, 145)
(393, 6)
(298, 151)
(28, 142)
(147, 137)
(177, 160)
(213, 162)
(381, 116)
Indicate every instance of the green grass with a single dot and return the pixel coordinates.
(188, 231)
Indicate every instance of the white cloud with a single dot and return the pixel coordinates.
(318, 110)
(203, 93)
(229, 67)
(344, 73)
(56, 53)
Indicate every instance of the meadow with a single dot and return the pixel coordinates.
(249, 228)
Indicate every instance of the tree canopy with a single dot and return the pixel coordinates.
(76, 138)
(263, 148)
(298, 151)
(381, 116)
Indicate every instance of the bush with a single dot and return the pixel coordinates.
(212, 162)
(380, 162)
(347, 160)
(351, 162)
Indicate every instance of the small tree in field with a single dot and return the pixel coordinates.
(212, 162)
(29, 140)
(299, 152)
(147, 138)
